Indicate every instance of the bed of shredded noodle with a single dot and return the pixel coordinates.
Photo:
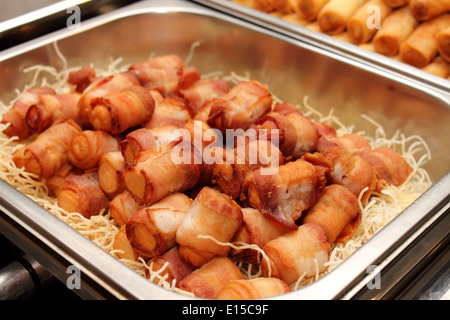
(101, 229)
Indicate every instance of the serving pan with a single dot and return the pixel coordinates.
(324, 40)
(292, 70)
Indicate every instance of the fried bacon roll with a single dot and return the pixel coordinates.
(119, 111)
(48, 153)
(103, 86)
(110, 166)
(198, 93)
(297, 253)
(52, 108)
(122, 207)
(297, 133)
(156, 175)
(86, 148)
(241, 106)
(257, 288)
(335, 211)
(122, 246)
(161, 73)
(256, 229)
(152, 230)
(82, 78)
(171, 111)
(286, 194)
(391, 168)
(83, 194)
(16, 116)
(212, 214)
(170, 267)
(209, 280)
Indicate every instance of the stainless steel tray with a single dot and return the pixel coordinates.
(323, 40)
(292, 70)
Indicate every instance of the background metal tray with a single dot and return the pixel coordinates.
(292, 70)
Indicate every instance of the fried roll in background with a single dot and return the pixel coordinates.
(16, 116)
(285, 195)
(439, 67)
(209, 280)
(101, 87)
(258, 288)
(86, 148)
(336, 208)
(48, 153)
(152, 230)
(175, 268)
(297, 253)
(361, 27)
(421, 47)
(424, 10)
(308, 9)
(443, 43)
(241, 106)
(396, 28)
(119, 111)
(52, 108)
(83, 194)
(212, 214)
(154, 178)
(396, 3)
(335, 14)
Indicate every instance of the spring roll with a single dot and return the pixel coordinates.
(16, 116)
(421, 46)
(212, 214)
(119, 111)
(257, 288)
(208, 280)
(396, 3)
(362, 26)
(152, 230)
(438, 67)
(297, 253)
(308, 9)
(335, 14)
(424, 10)
(86, 148)
(396, 28)
(262, 5)
(443, 43)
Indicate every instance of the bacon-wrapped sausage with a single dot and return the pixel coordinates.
(49, 151)
(16, 116)
(123, 247)
(286, 194)
(256, 229)
(297, 133)
(208, 280)
(171, 111)
(335, 210)
(110, 166)
(83, 194)
(240, 107)
(159, 175)
(86, 148)
(52, 108)
(297, 253)
(152, 229)
(119, 111)
(101, 87)
(257, 288)
(82, 78)
(212, 214)
(202, 91)
(122, 207)
(175, 268)
(391, 168)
